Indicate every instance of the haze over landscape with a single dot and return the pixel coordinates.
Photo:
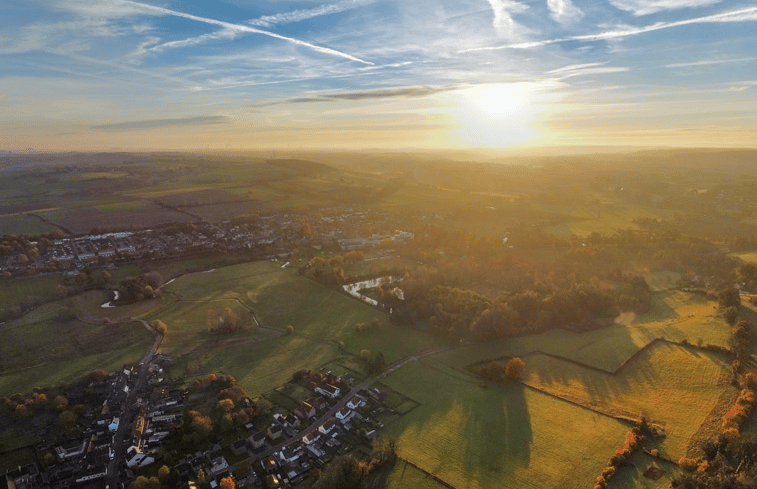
(375, 244)
(294, 75)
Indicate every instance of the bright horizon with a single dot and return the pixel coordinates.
(89, 75)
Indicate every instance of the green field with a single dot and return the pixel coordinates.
(675, 316)
(24, 224)
(670, 384)
(263, 358)
(401, 475)
(632, 477)
(499, 436)
(14, 291)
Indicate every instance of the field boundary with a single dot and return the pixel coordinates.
(428, 474)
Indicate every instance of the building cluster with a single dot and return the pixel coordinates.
(272, 236)
(89, 458)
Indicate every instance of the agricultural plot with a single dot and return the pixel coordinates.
(38, 350)
(675, 316)
(82, 220)
(499, 436)
(671, 384)
(401, 475)
(747, 256)
(633, 476)
(227, 210)
(24, 224)
(34, 289)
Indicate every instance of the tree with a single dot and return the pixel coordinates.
(290, 329)
(226, 405)
(345, 472)
(227, 483)
(729, 297)
(514, 368)
(164, 474)
(160, 326)
(730, 314)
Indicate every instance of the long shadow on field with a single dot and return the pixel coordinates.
(463, 431)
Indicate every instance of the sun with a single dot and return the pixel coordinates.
(498, 115)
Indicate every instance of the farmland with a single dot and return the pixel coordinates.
(674, 385)
(498, 436)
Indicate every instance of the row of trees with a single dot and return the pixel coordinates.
(459, 312)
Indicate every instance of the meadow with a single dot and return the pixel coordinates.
(476, 435)
(266, 355)
(675, 386)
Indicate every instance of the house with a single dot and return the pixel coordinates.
(305, 410)
(268, 464)
(256, 440)
(274, 432)
(291, 420)
(239, 447)
(135, 458)
(344, 415)
(287, 456)
(371, 435)
(326, 427)
(272, 482)
(328, 390)
(310, 437)
(356, 402)
(320, 403)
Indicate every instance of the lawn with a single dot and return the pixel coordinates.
(499, 436)
(671, 384)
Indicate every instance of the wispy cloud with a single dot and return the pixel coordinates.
(742, 15)
(587, 69)
(708, 62)
(646, 7)
(149, 124)
(383, 93)
(223, 34)
(305, 14)
(244, 29)
(503, 14)
(564, 11)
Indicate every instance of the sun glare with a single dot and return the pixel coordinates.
(499, 116)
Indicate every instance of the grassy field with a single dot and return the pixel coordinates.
(674, 315)
(674, 385)
(264, 358)
(14, 291)
(24, 224)
(401, 475)
(747, 256)
(499, 436)
(632, 477)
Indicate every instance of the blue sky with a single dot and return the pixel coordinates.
(86, 74)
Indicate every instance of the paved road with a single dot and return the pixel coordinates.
(345, 399)
(112, 477)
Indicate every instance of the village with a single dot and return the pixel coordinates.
(132, 413)
(264, 237)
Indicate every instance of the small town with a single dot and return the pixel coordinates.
(129, 415)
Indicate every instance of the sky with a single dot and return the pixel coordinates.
(376, 74)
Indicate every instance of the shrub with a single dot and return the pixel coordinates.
(688, 464)
(514, 368)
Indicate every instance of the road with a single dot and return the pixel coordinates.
(345, 399)
(112, 477)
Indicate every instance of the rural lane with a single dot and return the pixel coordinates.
(112, 474)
